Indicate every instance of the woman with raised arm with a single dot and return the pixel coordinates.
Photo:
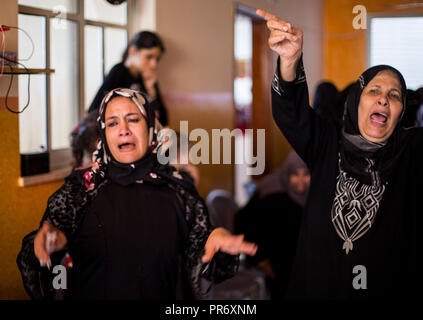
(358, 237)
(134, 229)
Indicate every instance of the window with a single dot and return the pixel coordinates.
(243, 97)
(398, 41)
(81, 40)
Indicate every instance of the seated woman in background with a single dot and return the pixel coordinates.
(84, 139)
(134, 228)
(138, 71)
(272, 219)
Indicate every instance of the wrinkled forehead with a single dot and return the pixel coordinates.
(387, 76)
(121, 105)
(124, 95)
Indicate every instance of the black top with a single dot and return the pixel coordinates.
(120, 77)
(322, 270)
(139, 240)
(129, 244)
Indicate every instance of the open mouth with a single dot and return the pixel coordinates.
(127, 146)
(379, 118)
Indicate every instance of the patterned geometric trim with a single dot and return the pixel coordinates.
(275, 84)
(354, 208)
(301, 77)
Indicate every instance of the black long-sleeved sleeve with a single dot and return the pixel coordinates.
(294, 116)
(222, 266)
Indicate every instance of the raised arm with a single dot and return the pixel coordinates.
(290, 101)
(286, 41)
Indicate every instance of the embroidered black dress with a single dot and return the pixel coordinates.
(136, 230)
(322, 269)
(142, 241)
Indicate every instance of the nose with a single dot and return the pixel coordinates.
(383, 100)
(124, 130)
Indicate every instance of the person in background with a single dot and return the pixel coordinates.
(272, 219)
(419, 120)
(134, 228)
(342, 97)
(410, 114)
(325, 100)
(138, 71)
(84, 141)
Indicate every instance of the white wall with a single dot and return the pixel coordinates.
(145, 15)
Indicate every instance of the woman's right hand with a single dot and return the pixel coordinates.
(286, 41)
(43, 250)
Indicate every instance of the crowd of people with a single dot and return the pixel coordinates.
(346, 196)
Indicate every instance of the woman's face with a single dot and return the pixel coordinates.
(380, 107)
(126, 130)
(299, 181)
(146, 60)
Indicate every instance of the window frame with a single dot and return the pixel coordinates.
(370, 16)
(59, 158)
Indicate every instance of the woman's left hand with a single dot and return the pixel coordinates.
(221, 239)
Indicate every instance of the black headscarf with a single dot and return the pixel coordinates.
(369, 162)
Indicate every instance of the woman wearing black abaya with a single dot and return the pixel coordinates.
(135, 229)
(272, 219)
(358, 238)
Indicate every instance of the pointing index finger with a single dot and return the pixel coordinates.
(265, 15)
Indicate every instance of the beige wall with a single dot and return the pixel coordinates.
(197, 70)
(199, 37)
(145, 16)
